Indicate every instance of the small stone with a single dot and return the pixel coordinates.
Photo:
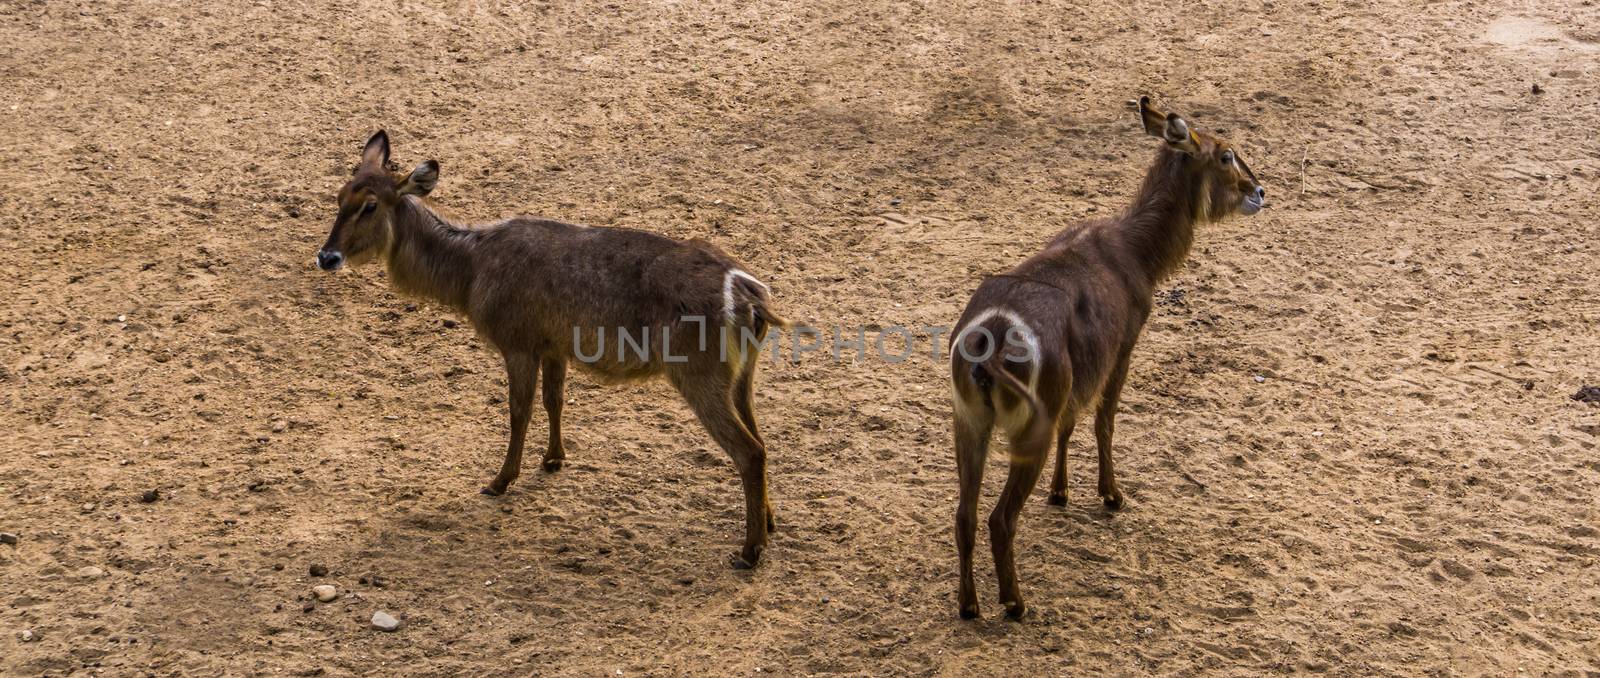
(309, 606)
(8, 538)
(1260, 379)
(150, 496)
(325, 593)
(1537, 89)
(279, 426)
(383, 622)
(87, 507)
(1587, 394)
(90, 572)
(29, 636)
(319, 570)
(449, 324)
(294, 212)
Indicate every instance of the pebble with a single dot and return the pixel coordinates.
(325, 593)
(91, 572)
(29, 636)
(319, 570)
(280, 426)
(150, 496)
(383, 622)
(8, 538)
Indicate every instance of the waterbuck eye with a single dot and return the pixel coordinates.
(366, 209)
(1227, 157)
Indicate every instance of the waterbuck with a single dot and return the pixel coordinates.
(545, 292)
(1048, 340)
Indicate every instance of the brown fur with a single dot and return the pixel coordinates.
(526, 283)
(1085, 297)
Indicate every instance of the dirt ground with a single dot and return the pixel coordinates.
(1348, 440)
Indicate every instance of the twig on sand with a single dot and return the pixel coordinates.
(1525, 383)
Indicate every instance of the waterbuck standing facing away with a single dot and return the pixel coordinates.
(544, 292)
(1046, 341)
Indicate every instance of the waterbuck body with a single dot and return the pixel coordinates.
(1046, 341)
(622, 304)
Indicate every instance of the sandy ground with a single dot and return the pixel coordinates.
(1408, 489)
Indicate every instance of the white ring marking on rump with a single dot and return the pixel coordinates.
(1028, 337)
(727, 290)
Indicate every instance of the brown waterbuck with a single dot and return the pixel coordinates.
(1046, 341)
(545, 292)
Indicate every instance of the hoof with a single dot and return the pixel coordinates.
(741, 561)
(1057, 499)
(1113, 502)
(969, 612)
(1015, 610)
(772, 522)
(551, 465)
(490, 491)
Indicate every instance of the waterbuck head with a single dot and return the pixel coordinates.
(364, 224)
(1221, 182)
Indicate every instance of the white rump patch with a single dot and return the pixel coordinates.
(1029, 338)
(727, 290)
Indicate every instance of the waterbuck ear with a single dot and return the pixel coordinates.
(421, 180)
(1167, 126)
(376, 152)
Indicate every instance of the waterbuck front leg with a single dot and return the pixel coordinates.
(555, 382)
(522, 370)
(1058, 486)
(1104, 424)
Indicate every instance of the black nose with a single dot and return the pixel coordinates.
(1261, 193)
(328, 261)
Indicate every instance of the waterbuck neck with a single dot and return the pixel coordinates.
(1159, 226)
(429, 256)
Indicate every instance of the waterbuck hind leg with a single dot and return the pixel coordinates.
(743, 403)
(1058, 485)
(522, 370)
(1030, 449)
(710, 395)
(1104, 425)
(555, 382)
(972, 448)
